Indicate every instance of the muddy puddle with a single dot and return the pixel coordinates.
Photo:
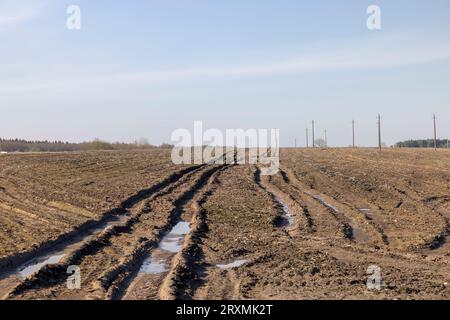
(358, 234)
(287, 219)
(35, 267)
(171, 243)
(323, 202)
(231, 265)
(11, 278)
(367, 213)
(156, 267)
(442, 247)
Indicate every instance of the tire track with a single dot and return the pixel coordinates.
(54, 274)
(440, 243)
(10, 263)
(186, 271)
(284, 220)
(349, 226)
(211, 267)
(293, 215)
(144, 285)
(343, 225)
(388, 199)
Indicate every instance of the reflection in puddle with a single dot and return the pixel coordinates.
(359, 235)
(326, 204)
(170, 244)
(173, 241)
(367, 213)
(60, 251)
(232, 265)
(36, 266)
(154, 266)
(287, 217)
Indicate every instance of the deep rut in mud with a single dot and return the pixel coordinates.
(100, 243)
(152, 274)
(356, 224)
(18, 272)
(285, 219)
(222, 231)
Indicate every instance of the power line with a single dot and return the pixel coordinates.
(434, 123)
(313, 142)
(379, 131)
(307, 138)
(353, 132)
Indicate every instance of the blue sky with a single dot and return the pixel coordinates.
(145, 68)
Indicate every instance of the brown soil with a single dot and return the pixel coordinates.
(351, 208)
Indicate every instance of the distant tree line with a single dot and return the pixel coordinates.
(20, 145)
(425, 143)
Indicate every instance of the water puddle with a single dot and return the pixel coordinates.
(359, 235)
(170, 244)
(54, 257)
(234, 264)
(155, 266)
(33, 268)
(323, 202)
(10, 279)
(367, 213)
(288, 217)
(442, 247)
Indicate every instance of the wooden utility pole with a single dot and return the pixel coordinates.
(434, 123)
(313, 142)
(379, 131)
(307, 138)
(353, 132)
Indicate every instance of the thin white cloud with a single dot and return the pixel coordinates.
(385, 53)
(16, 12)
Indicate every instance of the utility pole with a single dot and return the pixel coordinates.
(313, 142)
(379, 131)
(434, 123)
(326, 140)
(295, 142)
(353, 131)
(307, 138)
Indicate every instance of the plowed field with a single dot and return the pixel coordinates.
(139, 227)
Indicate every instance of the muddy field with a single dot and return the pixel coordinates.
(139, 227)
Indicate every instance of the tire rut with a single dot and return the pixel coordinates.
(53, 274)
(435, 204)
(284, 220)
(145, 286)
(186, 273)
(348, 226)
(10, 263)
(294, 215)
